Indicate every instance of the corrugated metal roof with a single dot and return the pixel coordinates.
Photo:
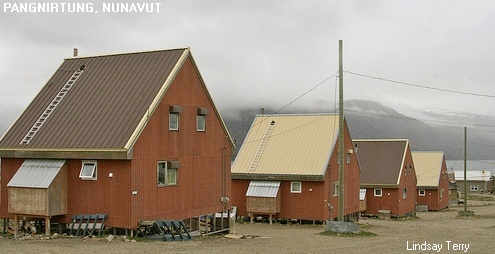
(264, 189)
(36, 173)
(380, 160)
(475, 175)
(428, 166)
(104, 106)
(298, 145)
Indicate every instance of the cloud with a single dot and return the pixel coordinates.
(267, 53)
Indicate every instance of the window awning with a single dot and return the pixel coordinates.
(265, 189)
(36, 173)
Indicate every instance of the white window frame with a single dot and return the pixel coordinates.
(84, 173)
(166, 172)
(348, 158)
(375, 192)
(474, 188)
(201, 124)
(294, 189)
(171, 117)
(422, 192)
(404, 193)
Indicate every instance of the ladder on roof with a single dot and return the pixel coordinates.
(51, 107)
(261, 147)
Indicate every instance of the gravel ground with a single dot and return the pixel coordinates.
(392, 236)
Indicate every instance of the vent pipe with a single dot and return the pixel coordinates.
(75, 52)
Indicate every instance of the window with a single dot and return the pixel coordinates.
(295, 187)
(88, 170)
(167, 173)
(201, 123)
(173, 121)
(348, 158)
(201, 119)
(336, 188)
(378, 192)
(441, 193)
(421, 192)
(404, 193)
(173, 117)
(473, 188)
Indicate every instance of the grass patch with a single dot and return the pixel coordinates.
(360, 233)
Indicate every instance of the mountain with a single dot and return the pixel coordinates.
(429, 130)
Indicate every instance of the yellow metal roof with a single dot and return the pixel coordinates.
(428, 166)
(295, 145)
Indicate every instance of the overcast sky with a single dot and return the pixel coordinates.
(267, 53)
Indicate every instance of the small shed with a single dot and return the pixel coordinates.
(263, 198)
(38, 190)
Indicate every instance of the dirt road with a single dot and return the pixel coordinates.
(430, 229)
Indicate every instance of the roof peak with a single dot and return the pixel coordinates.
(127, 53)
(285, 115)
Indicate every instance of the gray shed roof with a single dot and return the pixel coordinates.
(36, 173)
(264, 189)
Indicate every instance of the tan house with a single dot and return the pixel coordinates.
(287, 168)
(433, 181)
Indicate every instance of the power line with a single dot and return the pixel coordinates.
(421, 86)
(290, 103)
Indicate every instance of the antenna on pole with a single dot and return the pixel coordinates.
(341, 136)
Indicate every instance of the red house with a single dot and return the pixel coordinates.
(388, 175)
(433, 181)
(135, 136)
(287, 168)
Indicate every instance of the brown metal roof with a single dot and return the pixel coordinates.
(381, 160)
(105, 109)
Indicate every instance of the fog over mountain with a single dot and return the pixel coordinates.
(428, 130)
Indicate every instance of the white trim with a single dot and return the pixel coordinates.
(374, 192)
(292, 190)
(94, 171)
(142, 124)
(421, 190)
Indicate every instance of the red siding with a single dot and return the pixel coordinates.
(204, 173)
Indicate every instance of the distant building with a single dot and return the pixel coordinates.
(476, 181)
(433, 181)
(478, 175)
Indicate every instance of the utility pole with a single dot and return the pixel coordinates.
(465, 168)
(465, 212)
(341, 136)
